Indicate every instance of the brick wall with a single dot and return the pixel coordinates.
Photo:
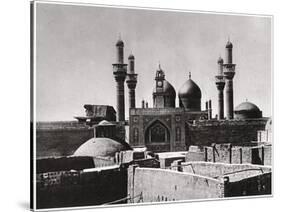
(88, 188)
(225, 131)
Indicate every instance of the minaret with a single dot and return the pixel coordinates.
(229, 72)
(220, 83)
(120, 72)
(131, 81)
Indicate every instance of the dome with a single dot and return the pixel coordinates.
(131, 57)
(103, 147)
(247, 106)
(168, 89)
(190, 96)
(120, 43)
(105, 123)
(247, 110)
(229, 45)
(190, 90)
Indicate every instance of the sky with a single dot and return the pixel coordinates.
(75, 50)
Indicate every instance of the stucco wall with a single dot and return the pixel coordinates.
(155, 185)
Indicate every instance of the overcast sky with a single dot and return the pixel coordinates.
(76, 48)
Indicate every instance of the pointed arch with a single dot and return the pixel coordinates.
(157, 132)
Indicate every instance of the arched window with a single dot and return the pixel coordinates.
(136, 135)
(157, 133)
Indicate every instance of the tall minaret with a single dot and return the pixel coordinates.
(131, 81)
(120, 72)
(229, 72)
(220, 83)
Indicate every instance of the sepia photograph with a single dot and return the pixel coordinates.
(135, 106)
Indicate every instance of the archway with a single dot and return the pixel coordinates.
(157, 132)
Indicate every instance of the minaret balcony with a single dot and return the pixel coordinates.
(132, 78)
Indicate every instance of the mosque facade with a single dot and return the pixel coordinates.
(165, 127)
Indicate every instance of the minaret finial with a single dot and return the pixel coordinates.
(189, 75)
(159, 65)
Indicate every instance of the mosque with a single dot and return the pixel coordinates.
(165, 127)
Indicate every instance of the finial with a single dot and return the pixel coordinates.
(189, 75)
(159, 65)
(228, 38)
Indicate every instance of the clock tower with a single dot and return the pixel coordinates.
(164, 93)
(159, 79)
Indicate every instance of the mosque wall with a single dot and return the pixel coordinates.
(225, 131)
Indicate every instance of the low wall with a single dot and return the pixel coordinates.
(235, 172)
(256, 185)
(93, 187)
(226, 153)
(155, 185)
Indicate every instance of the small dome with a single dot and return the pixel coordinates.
(220, 60)
(229, 45)
(190, 90)
(247, 106)
(247, 110)
(120, 43)
(101, 147)
(131, 57)
(105, 123)
(168, 89)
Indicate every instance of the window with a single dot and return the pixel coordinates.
(178, 133)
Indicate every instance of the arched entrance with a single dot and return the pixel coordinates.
(157, 132)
